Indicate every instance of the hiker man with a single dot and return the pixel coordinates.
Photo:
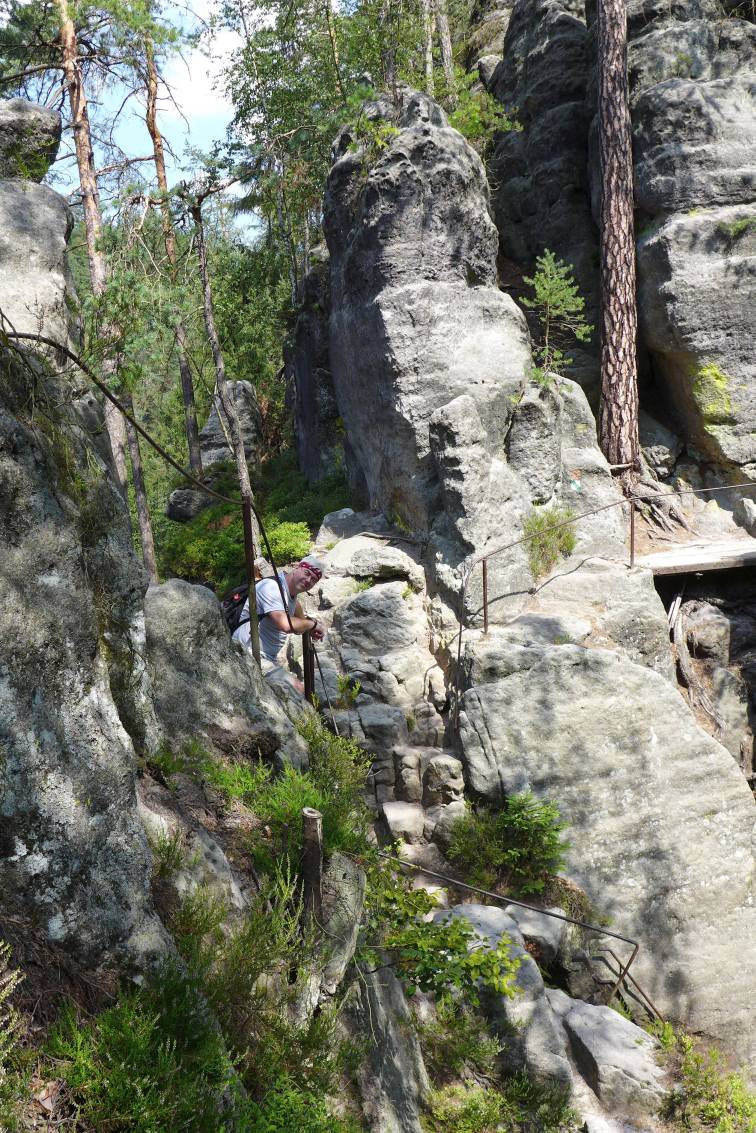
(274, 619)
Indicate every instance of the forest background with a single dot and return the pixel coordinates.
(294, 72)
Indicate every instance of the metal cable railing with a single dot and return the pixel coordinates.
(482, 560)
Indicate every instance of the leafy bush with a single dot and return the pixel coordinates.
(477, 115)
(518, 846)
(286, 497)
(333, 784)
(445, 957)
(168, 853)
(152, 1061)
(518, 1104)
(707, 1097)
(456, 1042)
(547, 542)
(287, 1108)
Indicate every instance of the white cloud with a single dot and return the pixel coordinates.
(196, 81)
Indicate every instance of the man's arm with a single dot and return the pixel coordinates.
(299, 621)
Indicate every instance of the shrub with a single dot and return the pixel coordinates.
(10, 1026)
(707, 1097)
(457, 1042)
(168, 853)
(546, 541)
(519, 846)
(333, 784)
(152, 1061)
(518, 1104)
(441, 957)
(286, 1108)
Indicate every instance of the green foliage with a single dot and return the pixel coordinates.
(286, 496)
(153, 1061)
(333, 784)
(456, 1043)
(518, 1104)
(361, 584)
(9, 1017)
(477, 115)
(348, 688)
(287, 1108)
(708, 1097)
(518, 846)
(547, 541)
(465, 1109)
(559, 307)
(443, 957)
(168, 854)
(236, 779)
(737, 228)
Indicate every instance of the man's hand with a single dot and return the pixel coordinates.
(318, 633)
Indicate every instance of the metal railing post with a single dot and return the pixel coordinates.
(249, 559)
(308, 665)
(632, 531)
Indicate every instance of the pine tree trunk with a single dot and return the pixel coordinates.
(227, 412)
(90, 201)
(618, 418)
(140, 495)
(169, 239)
(447, 56)
(428, 41)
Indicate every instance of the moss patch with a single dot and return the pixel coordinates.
(710, 392)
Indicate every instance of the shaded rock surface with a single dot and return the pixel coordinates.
(573, 724)
(73, 854)
(29, 139)
(204, 688)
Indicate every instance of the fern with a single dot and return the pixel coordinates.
(10, 1021)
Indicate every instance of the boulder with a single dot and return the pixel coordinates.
(573, 726)
(213, 443)
(35, 284)
(29, 139)
(614, 1056)
(531, 1038)
(204, 688)
(345, 523)
(745, 515)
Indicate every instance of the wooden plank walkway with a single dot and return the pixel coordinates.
(689, 557)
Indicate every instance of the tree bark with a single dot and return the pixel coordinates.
(618, 418)
(140, 494)
(447, 56)
(90, 200)
(169, 239)
(428, 41)
(227, 412)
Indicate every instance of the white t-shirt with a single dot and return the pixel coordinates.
(268, 597)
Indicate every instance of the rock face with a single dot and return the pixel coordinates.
(656, 810)
(413, 292)
(542, 194)
(185, 503)
(204, 689)
(73, 854)
(35, 284)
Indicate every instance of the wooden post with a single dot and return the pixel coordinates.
(308, 665)
(312, 864)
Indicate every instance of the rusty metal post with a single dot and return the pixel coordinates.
(485, 595)
(632, 531)
(308, 665)
(249, 560)
(312, 864)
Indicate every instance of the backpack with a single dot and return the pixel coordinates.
(232, 607)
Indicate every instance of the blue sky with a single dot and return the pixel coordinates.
(198, 119)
